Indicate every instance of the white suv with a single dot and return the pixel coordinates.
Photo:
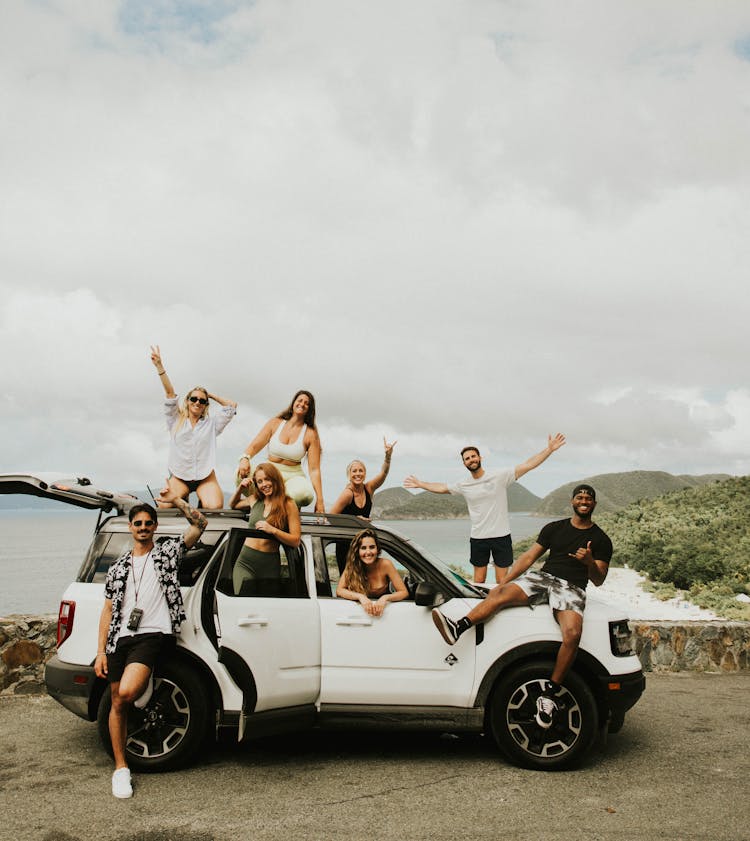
(290, 655)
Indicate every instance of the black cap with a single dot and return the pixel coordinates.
(584, 487)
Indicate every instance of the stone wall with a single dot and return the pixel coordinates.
(692, 646)
(27, 642)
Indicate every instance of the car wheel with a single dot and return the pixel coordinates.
(168, 731)
(512, 711)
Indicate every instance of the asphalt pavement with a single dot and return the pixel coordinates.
(678, 770)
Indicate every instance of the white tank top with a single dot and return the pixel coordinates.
(288, 452)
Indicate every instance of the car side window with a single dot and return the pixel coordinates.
(246, 572)
(107, 547)
(330, 560)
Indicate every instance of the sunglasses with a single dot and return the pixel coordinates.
(140, 523)
(201, 400)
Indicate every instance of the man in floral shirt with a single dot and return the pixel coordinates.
(142, 613)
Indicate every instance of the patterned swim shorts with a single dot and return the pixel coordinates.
(542, 587)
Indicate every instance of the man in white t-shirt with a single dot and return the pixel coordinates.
(486, 495)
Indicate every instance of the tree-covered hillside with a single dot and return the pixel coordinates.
(616, 490)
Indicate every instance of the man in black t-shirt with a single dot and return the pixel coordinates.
(579, 552)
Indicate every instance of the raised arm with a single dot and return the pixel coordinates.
(242, 502)
(313, 465)
(223, 401)
(432, 487)
(553, 443)
(256, 445)
(378, 480)
(198, 521)
(160, 370)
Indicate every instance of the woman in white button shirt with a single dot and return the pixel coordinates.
(192, 439)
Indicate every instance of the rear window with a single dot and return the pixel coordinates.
(107, 547)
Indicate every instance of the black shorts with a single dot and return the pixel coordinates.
(501, 549)
(148, 649)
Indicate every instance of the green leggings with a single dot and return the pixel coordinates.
(252, 565)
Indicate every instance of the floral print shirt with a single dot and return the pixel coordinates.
(166, 556)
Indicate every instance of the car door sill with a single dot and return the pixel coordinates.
(401, 717)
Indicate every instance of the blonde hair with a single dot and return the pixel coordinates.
(183, 408)
(351, 464)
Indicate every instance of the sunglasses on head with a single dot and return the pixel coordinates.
(139, 523)
(201, 400)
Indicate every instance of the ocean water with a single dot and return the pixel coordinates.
(41, 551)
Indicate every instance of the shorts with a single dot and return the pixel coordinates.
(560, 594)
(500, 547)
(147, 649)
(297, 485)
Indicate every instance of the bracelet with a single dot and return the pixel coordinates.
(245, 455)
(161, 373)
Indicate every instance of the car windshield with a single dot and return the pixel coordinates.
(449, 572)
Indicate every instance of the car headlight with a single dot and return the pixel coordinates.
(620, 638)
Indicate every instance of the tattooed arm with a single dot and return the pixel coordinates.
(198, 521)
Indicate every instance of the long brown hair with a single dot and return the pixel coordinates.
(356, 571)
(309, 417)
(277, 516)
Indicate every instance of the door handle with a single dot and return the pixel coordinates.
(250, 621)
(354, 620)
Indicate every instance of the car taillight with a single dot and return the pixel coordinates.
(65, 621)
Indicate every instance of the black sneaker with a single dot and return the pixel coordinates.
(448, 628)
(545, 708)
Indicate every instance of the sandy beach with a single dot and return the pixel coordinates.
(623, 588)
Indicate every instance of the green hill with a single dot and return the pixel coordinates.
(697, 539)
(400, 504)
(614, 491)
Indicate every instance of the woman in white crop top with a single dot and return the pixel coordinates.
(291, 436)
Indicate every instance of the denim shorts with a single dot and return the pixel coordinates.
(560, 594)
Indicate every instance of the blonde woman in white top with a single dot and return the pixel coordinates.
(192, 439)
(291, 436)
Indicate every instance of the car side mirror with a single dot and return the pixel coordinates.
(427, 595)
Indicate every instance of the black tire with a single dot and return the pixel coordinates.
(172, 727)
(512, 710)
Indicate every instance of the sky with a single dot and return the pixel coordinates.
(454, 222)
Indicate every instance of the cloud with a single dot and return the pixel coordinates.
(450, 221)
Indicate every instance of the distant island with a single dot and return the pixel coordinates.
(400, 504)
(614, 491)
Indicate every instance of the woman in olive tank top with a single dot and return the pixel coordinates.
(274, 514)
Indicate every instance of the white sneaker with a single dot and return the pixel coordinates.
(147, 693)
(121, 785)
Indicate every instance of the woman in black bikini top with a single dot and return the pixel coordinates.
(356, 498)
